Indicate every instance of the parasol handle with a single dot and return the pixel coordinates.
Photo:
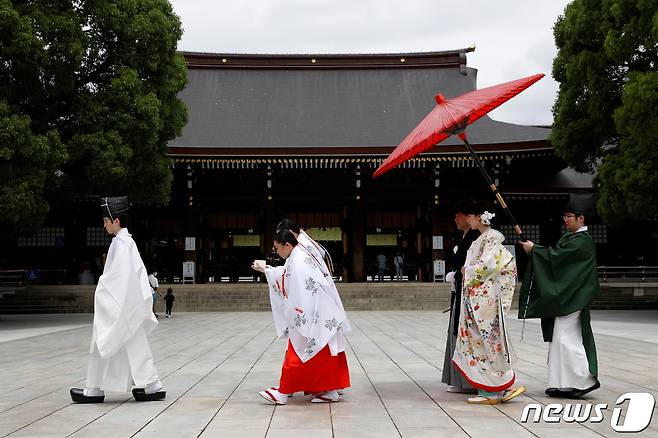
(494, 189)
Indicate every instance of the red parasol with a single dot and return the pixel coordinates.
(452, 116)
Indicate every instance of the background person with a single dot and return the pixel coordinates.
(381, 266)
(398, 262)
(155, 285)
(169, 299)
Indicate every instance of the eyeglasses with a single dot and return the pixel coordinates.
(568, 215)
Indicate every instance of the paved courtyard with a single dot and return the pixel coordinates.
(213, 365)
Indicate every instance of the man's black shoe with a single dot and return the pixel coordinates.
(554, 392)
(78, 396)
(572, 393)
(141, 395)
(578, 393)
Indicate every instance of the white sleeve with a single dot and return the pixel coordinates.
(274, 277)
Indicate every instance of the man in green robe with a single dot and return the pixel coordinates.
(559, 286)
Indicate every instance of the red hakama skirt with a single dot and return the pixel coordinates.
(323, 372)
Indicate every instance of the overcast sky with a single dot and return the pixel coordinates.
(513, 38)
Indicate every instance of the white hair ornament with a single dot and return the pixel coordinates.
(486, 217)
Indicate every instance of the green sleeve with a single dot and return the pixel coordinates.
(560, 280)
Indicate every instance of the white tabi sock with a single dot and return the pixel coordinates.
(280, 395)
(94, 392)
(154, 387)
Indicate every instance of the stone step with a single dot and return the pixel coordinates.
(255, 297)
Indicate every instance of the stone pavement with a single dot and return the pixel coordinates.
(213, 365)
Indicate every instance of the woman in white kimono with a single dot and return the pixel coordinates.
(273, 276)
(323, 258)
(306, 313)
(483, 353)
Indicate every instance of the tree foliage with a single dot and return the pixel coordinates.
(605, 116)
(88, 101)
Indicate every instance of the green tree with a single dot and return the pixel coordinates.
(605, 115)
(28, 163)
(88, 101)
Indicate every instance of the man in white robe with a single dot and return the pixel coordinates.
(120, 354)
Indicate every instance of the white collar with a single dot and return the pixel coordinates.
(123, 232)
(295, 250)
(583, 228)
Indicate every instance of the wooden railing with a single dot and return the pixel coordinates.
(13, 277)
(628, 273)
(21, 277)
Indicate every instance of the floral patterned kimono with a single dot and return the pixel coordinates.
(483, 354)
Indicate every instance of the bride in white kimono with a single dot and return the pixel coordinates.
(483, 353)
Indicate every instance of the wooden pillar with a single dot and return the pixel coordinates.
(345, 237)
(268, 215)
(436, 224)
(202, 247)
(191, 223)
(268, 227)
(436, 227)
(358, 240)
(74, 245)
(419, 245)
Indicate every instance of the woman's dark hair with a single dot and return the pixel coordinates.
(287, 224)
(463, 206)
(479, 207)
(285, 236)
